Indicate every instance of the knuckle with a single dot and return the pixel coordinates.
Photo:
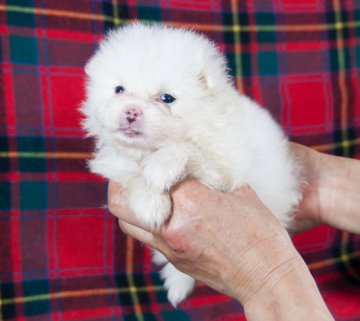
(115, 203)
(172, 235)
(112, 206)
(115, 197)
(188, 202)
(178, 241)
(190, 199)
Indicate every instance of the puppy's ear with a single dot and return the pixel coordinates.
(205, 80)
(214, 73)
(92, 65)
(89, 67)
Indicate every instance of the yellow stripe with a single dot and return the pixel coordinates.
(342, 81)
(345, 256)
(1, 305)
(329, 262)
(116, 18)
(57, 13)
(130, 278)
(269, 28)
(238, 28)
(237, 43)
(44, 155)
(327, 147)
(75, 294)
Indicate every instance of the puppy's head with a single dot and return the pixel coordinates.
(146, 84)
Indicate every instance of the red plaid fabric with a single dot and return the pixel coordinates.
(62, 256)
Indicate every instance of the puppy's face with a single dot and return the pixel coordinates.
(128, 114)
(146, 85)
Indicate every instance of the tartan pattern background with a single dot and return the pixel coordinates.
(62, 256)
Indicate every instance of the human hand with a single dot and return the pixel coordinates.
(203, 230)
(232, 243)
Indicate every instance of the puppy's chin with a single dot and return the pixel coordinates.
(130, 133)
(130, 138)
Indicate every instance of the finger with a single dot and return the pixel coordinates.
(143, 236)
(136, 232)
(116, 199)
(118, 206)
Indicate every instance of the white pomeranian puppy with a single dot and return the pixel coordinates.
(162, 107)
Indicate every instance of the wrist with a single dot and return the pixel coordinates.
(289, 293)
(337, 189)
(332, 184)
(314, 169)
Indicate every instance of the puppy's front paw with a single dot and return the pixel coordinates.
(149, 207)
(158, 177)
(165, 168)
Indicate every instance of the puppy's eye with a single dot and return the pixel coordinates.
(167, 99)
(119, 89)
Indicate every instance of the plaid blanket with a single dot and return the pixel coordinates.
(62, 256)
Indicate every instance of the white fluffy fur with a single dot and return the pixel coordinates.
(210, 133)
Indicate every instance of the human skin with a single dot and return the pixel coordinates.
(331, 194)
(255, 261)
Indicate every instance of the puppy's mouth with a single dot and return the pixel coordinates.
(130, 132)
